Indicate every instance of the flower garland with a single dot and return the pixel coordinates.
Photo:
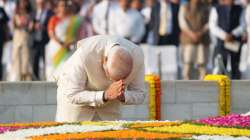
(154, 96)
(224, 92)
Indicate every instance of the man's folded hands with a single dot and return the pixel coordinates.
(115, 91)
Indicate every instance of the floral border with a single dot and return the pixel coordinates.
(197, 129)
(224, 84)
(154, 96)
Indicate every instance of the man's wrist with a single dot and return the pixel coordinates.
(103, 97)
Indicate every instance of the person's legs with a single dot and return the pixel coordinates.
(223, 52)
(187, 52)
(15, 67)
(202, 54)
(1, 55)
(220, 50)
(35, 59)
(42, 55)
(186, 71)
(235, 62)
(25, 65)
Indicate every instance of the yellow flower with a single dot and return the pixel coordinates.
(224, 92)
(200, 129)
(103, 123)
(153, 124)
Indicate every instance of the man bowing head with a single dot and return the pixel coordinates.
(103, 73)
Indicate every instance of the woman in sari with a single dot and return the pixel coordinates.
(63, 30)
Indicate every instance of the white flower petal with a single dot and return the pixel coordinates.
(24, 133)
(217, 137)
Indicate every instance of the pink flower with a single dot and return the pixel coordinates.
(4, 129)
(233, 120)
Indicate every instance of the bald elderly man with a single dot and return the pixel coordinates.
(104, 73)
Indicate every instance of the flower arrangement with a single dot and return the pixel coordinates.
(224, 92)
(230, 127)
(154, 96)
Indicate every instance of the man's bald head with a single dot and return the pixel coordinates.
(119, 63)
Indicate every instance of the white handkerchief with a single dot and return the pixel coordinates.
(233, 46)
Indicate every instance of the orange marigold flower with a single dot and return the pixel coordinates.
(121, 134)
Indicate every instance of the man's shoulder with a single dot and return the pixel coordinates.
(90, 41)
(102, 40)
(138, 52)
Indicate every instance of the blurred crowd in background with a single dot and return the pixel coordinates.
(40, 35)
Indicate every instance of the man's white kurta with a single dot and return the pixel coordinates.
(82, 81)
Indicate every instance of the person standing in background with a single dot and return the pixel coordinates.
(225, 23)
(50, 4)
(4, 35)
(127, 22)
(138, 5)
(193, 19)
(146, 13)
(84, 9)
(39, 25)
(9, 8)
(247, 18)
(101, 16)
(164, 24)
(61, 13)
(63, 30)
(20, 69)
(247, 21)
